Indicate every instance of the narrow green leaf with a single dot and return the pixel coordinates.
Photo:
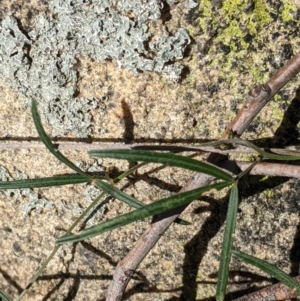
(44, 182)
(4, 297)
(164, 158)
(199, 147)
(127, 199)
(46, 140)
(146, 211)
(254, 147)
(270, 269)
(227, 243)
(118, 194)
(246, 171)
(182, 222)
(266, 154)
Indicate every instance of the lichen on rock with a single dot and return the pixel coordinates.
(41, 64)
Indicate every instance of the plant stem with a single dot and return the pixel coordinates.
(257, 98)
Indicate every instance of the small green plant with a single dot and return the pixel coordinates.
(222, 180)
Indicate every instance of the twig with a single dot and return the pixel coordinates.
(262, 168)
(84, 146)
(271, 169)
(276, 292)
(259, 96)
(256, 100)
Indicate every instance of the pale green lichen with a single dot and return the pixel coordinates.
(236, 25)
(232, 11)
(261, 13)
(234, 30)
(207, 15)
(268, 193)
(257, 72)
(276, 111)
(288, 8)
(232, 7)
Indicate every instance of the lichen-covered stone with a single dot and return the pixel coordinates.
(41, 64)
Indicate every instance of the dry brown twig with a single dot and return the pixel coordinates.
(261, 168)
(271, 169)
(276, 292)
(257, 98)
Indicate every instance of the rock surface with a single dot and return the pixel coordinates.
(232, 48)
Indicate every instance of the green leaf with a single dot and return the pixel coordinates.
(270, 269)
(4, 297)
(46, 140)
(164, 158)
(256, 148)
(127, 199)
(146, 211)
(118, 194)
(44, 182)
(227, 243)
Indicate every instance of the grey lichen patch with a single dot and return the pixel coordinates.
(42, 63)
(65, 115)
(91, 193)
(118, 30)
(31, 201)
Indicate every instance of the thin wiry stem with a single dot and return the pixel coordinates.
(82, 146)
(257, 98)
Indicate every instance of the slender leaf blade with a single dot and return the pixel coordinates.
(118, 194)
(262, 152)
(127, 199)
(141, 213)
(270, 269)
(164, 158)
(266, 154)
(44, 182)
(4, 297)
(46, 140)
(227, 243)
